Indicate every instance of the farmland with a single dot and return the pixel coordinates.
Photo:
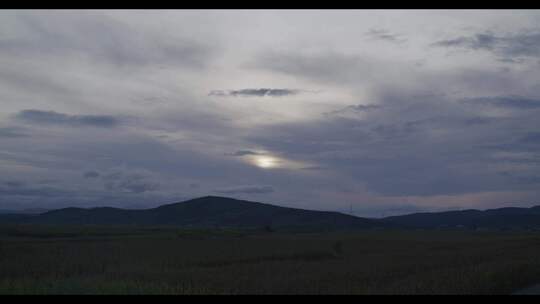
(160, 260)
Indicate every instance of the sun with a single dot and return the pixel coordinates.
(265, 162)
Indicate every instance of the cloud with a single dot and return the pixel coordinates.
(510, 47)
(97, 37)
(56, 118)
(355, 109)
(389, 139)
(313, 168)
(138, 186)
(323, 67)
(18, 189)
(248, 189)
(132, 185)
(343, 69)
(244, 153)
(385, 35)
(12, 132)
(91, 174)
(129, 182)
(255, 92)
(511, 102)
(112, 176)
(532, 138)
(412, 145)
(362, 108)
(478, 41)
(14, 184)
(20, 195)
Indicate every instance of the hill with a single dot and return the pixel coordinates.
(492, 219)
(222, 212)
(204, 212)
(24, 211)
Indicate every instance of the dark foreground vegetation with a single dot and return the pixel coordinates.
(120, 260)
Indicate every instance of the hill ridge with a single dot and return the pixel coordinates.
(220, 212)
(207, 212)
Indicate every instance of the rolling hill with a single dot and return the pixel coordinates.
(222, 212)
(204, 212)
(24, 211)
(492, 219)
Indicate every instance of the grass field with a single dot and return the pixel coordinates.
(98, 260)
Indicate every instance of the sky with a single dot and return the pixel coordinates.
(381, 112)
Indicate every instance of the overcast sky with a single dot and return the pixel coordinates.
(388, 111)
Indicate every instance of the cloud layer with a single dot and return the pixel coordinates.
(120, 108)
(55, 118)
(254, 92)
(509, 47)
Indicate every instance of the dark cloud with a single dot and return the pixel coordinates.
(56, 118)
(478, 41)
(520, 178)
(48, 181)
(478, 120)
(12, 132)
(91, 174)
(511, 102)
(255, 92)
(112, 176)
(129, 182)
(361, 108)
(381, 34)
(249, 189)
(531, 138)
(412, 145)
(315, 168)
(136, 185)
(25, 195)
(244, 153)
(535, 180)
(355, 109)
(24, 190)
(510, 47)
(14, 184)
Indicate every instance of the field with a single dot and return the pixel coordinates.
(98, 260)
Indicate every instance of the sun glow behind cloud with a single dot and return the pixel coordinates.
(266, 162)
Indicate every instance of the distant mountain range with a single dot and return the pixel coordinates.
(24, 211)
(492, 219)
(222, 212)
